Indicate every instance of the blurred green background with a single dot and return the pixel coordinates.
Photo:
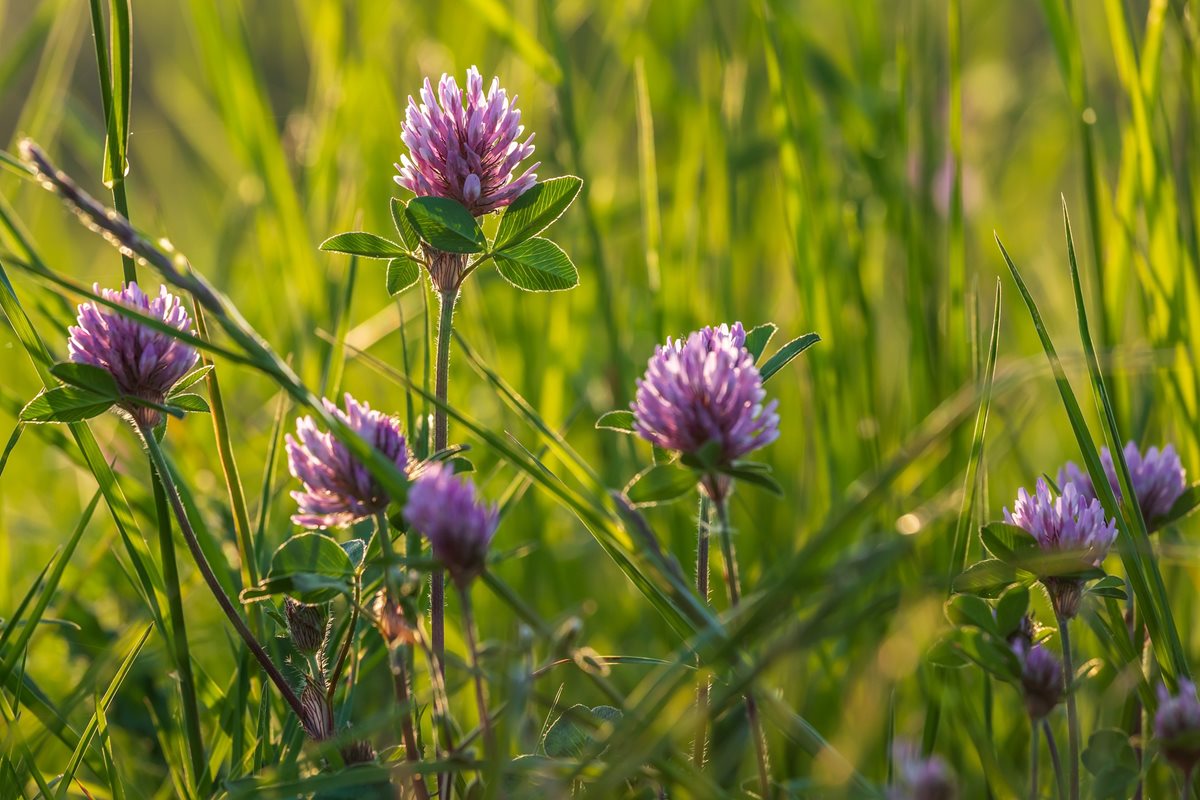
(776, 161)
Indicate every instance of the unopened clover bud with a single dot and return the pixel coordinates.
(308, 625)
(1041, 681)
(317, 718)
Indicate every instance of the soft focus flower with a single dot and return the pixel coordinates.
(1177, 726)
(338, 489)
(703, 390)
(920, 778)
(1069, 524)
(144, 362)
(1158, 478)
(1041, 680)
(465, 148)
(459, 525)
(308, 625)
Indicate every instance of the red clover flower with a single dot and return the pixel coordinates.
(338, 488)
(144, 362)
(1158, 478)
(447, 510)
(702, 390)
(465, 148)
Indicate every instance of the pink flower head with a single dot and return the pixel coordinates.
(1158, 478)
(464, 145)
(144, 362)
(338, 488)
(459, 525)
(705, 389)
(1177, 726)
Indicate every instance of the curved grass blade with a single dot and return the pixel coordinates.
(1133, 552)
(971, 481)
(89, 731)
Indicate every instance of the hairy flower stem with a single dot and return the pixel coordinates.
(189, 535)
(412, 753)
(485, 722)
(700, 743)
(1033, 761)
(1072, 713)
(734, 585)
(183, 660)
(437, 582)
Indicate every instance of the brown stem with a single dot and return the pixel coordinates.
(214, 585)
(411, 753)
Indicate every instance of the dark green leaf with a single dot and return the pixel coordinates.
(461, 465)
(1109, 586)
(1009, 543)
(660, 483)
(620, 421)
(991, 653)
(191, 379)
(786, 353)
(402, 273)
(946, 653)
(94, 379)
(361, 243)
(537, 265)
(968, 609)
(1110, 758)
(65, 404)
(404, 228)
(757, 477)
(445, 225)
(311, 567)
(986, 578)
(566, 738)
(356, 549)
(1011, 609)
(536, 210)
(193, 403)
(759, 337)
